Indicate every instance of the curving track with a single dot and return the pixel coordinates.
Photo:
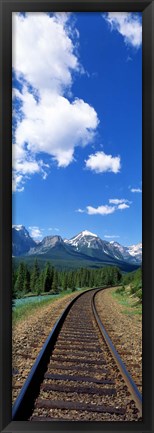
(78, 375)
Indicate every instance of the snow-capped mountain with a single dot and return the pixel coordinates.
(131, 254)
(21, 240)
(85, 246)
(84, 238)
(89, 243)
(136, 251)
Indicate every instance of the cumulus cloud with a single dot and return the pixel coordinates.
(47, 122)
(136, 190)
(101, 163)
(35, 232)
(49, 65)
(17, 182)
(123, 206)
(100, 210)
(118, 201)
(55, 126)
(128, 24)
(119, 204)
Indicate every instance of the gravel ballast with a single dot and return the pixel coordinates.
(125, 331)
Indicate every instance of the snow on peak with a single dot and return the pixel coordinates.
(18, 227)
(21, 230)
(83, 238)
(135, 250)
(87, 233)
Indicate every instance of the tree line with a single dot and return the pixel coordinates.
(36, 281)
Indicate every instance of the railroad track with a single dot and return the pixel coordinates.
(78, 375)
(28, 340)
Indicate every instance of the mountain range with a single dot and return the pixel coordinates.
(84, 249)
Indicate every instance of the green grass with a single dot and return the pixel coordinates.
(23, 311)
(131, 305)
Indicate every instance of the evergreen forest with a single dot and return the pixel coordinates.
(36, 281)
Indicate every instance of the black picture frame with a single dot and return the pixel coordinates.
(6, 9)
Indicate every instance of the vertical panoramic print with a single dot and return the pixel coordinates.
(77, 216)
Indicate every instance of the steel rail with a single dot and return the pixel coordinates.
(25, 401)
(121, 366)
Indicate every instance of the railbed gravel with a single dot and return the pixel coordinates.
(73, 415)
(125, 331)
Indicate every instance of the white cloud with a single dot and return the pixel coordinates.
(136, 190)
(27, 167)
(118, 201)
(24, 164)
(101, 163)
(49, 123)
(62, 16)
(119, 204)
(111, 236)
(100, 210)
(123, 206)
(55, 126)
(128, 25)
(35, 232)
(17, 182)
(49, 65)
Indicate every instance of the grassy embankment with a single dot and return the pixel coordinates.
(21, 312)
(130, 293)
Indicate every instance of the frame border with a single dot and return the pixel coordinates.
(6, 9)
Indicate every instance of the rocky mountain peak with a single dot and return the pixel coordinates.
(21, 240)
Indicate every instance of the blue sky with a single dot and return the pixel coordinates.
(77, 124)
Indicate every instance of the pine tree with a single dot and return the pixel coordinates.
(65, 279)
(47, 278)
(77, 279)
(34, 277)
(14, 277)
(91, 279)
(40, 285)
(55, 283)
(26, 285)
(105, 277)
(19, 284)
(71, 281)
